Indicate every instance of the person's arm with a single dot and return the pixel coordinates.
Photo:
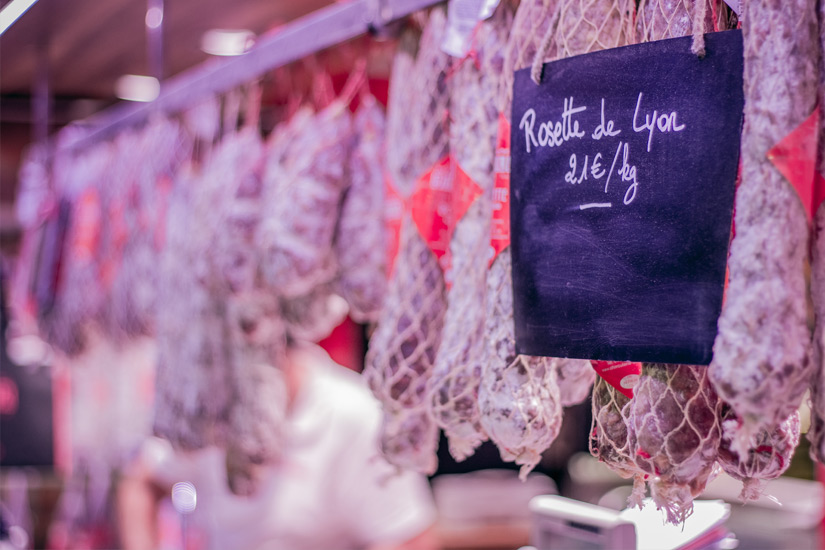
(139, 494)
(426, 540)
(138, 500)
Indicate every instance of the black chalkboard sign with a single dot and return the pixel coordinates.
(623, 172)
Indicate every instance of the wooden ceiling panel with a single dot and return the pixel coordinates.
(92, 42)
(89, 64)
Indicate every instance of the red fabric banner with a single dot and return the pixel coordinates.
(500, 229)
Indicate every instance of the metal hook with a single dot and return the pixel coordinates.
(380, 18)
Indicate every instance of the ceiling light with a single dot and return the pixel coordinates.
(134, 87)
(12, 12)
(227, 42)
(154, 17)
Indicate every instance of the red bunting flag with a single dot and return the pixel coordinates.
(795, 157)
(431, 205)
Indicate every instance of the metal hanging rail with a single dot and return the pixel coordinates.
(314, 32)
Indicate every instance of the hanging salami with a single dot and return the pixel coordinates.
(360, 241)
(193, 390)
(767, 459)
(674, 432)
(257, 352)
(146, 165)
(473, 130)
(403, 347)
(609, 438)
(80, 294)
(303, 201)
(673, 421)
(761, 363)
(816, 432)
(521, 426)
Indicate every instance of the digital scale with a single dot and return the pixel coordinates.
(563, 523)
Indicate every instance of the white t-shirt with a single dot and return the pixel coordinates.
(332, 489)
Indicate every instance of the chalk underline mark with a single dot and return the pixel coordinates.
(595, 205)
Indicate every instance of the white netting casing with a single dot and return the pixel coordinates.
(473, 130)
(761, 363)
(530, 24)
(816, 433)
(608, 435)
(521, 408)
(669, 434)
(767, 459)
(592, 25)
(360, 240)
(609, 438)
(552, 29)
(303, 199)
(403, 347)
(661, 19)
(402, 353)
(674, 431)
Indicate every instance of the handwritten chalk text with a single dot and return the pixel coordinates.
(593, 165)
(664, 122)
(551, 134)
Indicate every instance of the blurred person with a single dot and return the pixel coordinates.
(331, 490)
